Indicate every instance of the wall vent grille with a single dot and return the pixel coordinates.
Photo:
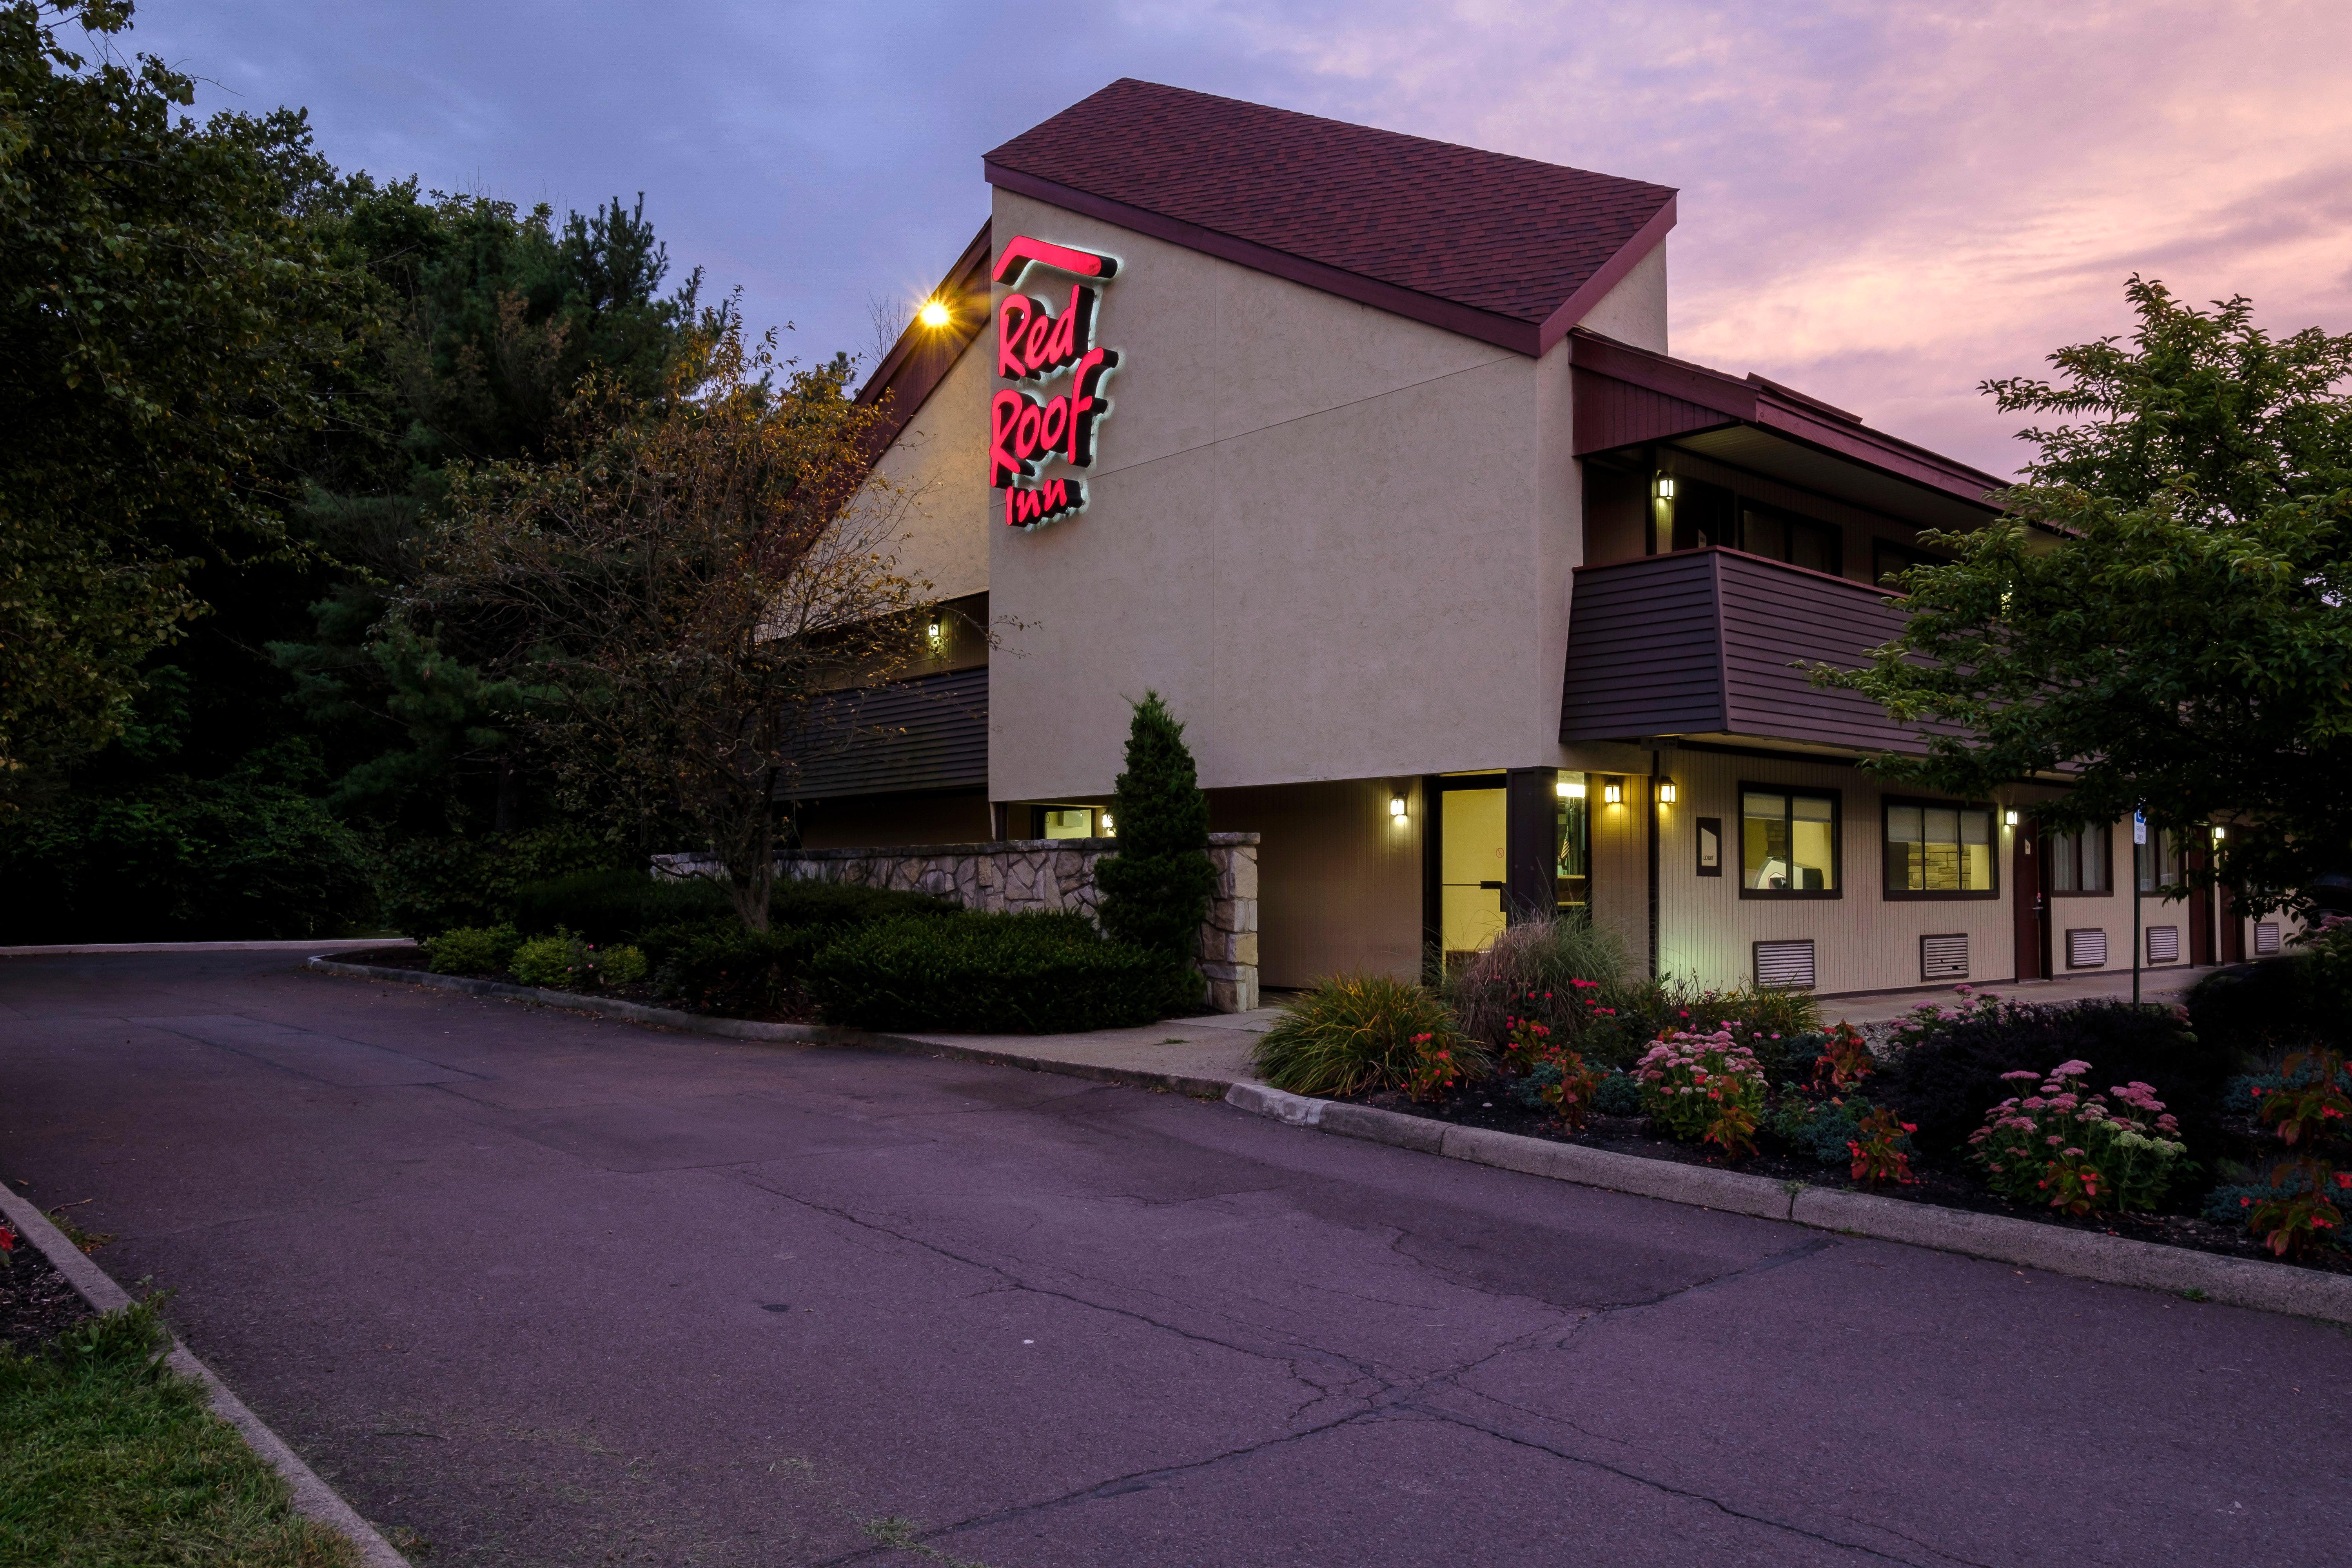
(2266, 937)
(2164, 944)
(2086, 948)
(1785, 965)
(1944, 957)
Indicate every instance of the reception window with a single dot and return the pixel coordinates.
(2077, 861)
(1936, 850)
(1787, 843)
(1067, 821)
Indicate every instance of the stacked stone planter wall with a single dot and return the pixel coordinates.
(1055, 874)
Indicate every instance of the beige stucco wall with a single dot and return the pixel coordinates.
(1338, 542)
(1634, 312)
(1338, 881)
(935, 481)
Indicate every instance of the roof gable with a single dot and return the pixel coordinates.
(1506, 249)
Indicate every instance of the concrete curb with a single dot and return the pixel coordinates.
(65, 948)
(314, 1500)
(782, 1034)
(2109, 1259)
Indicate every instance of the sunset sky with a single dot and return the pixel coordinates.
(1881, 203)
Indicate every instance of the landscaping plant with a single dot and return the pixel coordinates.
(1353, 1034)
(473, 949)
(1156, 890)
(1036, 973)
(1552, 968)
(1880, 1148)
(1703, 1087)
(2307, 1113)
(2069, 1149)
(564, 960)
(1434, 1070)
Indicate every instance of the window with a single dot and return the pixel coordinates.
(1935, 850)
(2077, 862)
(1069, 821)
(2158, 861)
(1887, 556)
(1704, 514)
(1572, 841)
(1798, 540)
(1787, 843)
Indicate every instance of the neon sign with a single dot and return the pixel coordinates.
(1035, 344)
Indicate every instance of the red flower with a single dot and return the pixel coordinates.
(7, 1239)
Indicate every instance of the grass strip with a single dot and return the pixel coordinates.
(108, 1458)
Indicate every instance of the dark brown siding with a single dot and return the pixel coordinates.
(925, 734)
(1609, 413)
(1714, 642)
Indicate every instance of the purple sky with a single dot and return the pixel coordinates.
(1884, 202)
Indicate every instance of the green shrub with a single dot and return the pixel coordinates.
(565, 961)
(1036, 973)
(1156, 890)
(717, 966)
(839, 904)
(185, 859)
(616, 905)
(473, 949)
(1554, 971)
(1353, 1034)
(435, 884)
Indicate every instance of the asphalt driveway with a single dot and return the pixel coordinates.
(541, 1288)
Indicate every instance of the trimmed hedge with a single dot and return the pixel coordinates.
(1034, 973)
(615, 906)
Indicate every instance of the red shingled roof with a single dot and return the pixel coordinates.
(1507, 249)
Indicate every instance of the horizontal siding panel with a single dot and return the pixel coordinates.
(1643, 650)
(924, 734)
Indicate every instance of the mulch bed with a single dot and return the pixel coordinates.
(36, 1302)
(1478, 1106)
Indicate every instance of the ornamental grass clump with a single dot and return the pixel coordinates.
(1553, 969)
(1703, 1088)
(1354, 1034)
(2074, 1151)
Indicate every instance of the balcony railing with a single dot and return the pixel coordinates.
(1713, 642)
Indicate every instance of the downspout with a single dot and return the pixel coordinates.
(1654, 864)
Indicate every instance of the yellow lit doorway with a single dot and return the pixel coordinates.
(1470, 843)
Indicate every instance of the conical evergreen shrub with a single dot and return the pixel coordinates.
(1156, 890)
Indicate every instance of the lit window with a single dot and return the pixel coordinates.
(1069, 822)
(1939, 850)
(1788, 842)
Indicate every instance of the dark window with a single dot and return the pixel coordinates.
(2157, 860)
(1704, 514)
(1798, 540)
(1787, 843)
(2077, 861)
(1887, 557)
(1940, 849)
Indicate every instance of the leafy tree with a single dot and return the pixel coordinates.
(168, 327)
(1156, 890)
(2185, 645)
(680, 584)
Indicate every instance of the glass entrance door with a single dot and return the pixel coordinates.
(1470, 840)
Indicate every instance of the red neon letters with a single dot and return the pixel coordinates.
(1036, 344)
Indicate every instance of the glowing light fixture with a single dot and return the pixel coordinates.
(1108, 831)
(1666, 792)
(1612, 793)
(1666, 487)
(932, 314)
(2009, 818)
(2217, 834)
(1572, 789)
(1396, 807)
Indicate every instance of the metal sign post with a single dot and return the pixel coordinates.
(2139, 848)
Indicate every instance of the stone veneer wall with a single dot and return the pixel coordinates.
(1047, 874)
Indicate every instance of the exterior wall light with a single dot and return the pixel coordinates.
(1108, 831)
(2009, 818)
(1572, 789)
(1612, 793)
(1666, 487)
(2217, 834)
(935, 635)
(1396, 808)
(932, 314)
(1665, 792)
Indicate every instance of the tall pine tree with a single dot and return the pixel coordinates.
(1156, 890)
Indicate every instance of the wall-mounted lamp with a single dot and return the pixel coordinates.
(2217, 834)
(2009, 818)
(1665, 792)
(934, 634)
(1396, 808)
(1612, 793)
(1666, 487)
(932, 314)
(1108, 831)
(1572, 789)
